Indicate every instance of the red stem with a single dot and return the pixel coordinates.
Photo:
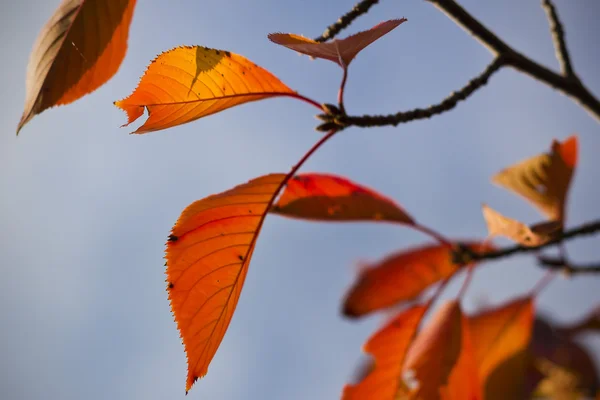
(467, 281)
(305, 99)
(437, 236)
(290, 174)
(543, 283)
(341, 91)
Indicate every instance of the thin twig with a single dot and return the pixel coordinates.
(362, 7)
(585, 229)
(505, 55)
(421, 113)
(558, 38)
(573, 88)
(568, 268)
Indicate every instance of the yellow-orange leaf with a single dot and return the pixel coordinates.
(340, 51)
(78, 50)
(537, 235)
(388, 347)
(325, 197)
(208, 254)
(435, 352)
(191, 82)
(500, 337)
(402, 276)
(544, 180)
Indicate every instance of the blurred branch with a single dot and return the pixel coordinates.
(558, 38)
(567, 83)
(586, 229)
(421, 113)
(362, 7)
(560, 264)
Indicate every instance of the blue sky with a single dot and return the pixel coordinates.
(86, 208)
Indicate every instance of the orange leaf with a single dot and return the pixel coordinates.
(208, 254)
(341, 51)
(500, 336)
(388, 347)
(538, 234)
(463, 383)
(402, 276)
(435, 352)
(190, 82)
(79, 49)
(333, 198)
(544, 180)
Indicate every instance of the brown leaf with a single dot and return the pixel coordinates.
(498, 336)
(402, 276)
(388, 347)
(544, 180)
(341, 52)
(190, 82)
(537, 235)
(208, 254)
(78, 50)
(562, 368)
(323, 197)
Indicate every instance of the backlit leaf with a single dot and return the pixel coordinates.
(544, 180)
(340, 51)
(324, 197)
(208, 254)
(502, 335)
(463, 383)
(191, 82)
(539, 234)
(78, 50)
(435, 352)
(402, 276)
(388, 348)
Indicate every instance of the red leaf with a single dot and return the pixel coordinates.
(341, 51)
(325, 197)
(208, 254)
(388, 347)
(402, 276)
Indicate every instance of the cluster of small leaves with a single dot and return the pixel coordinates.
(501, 352)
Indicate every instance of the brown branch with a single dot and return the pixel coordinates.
(569, 85)
(568, 268)
(422, 113)
(558, 38)
(586, 229)
(362, 7)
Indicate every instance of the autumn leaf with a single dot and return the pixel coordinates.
(463, 382)
(402, 276)
(341, 51)
(590, 323)
(544, 180)
(435, 352)
(388, 347)
(500, 338)
(561, 367)
(190, 82)
(78, 50)
(208, 253)
(325, 197)
(535, 235)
